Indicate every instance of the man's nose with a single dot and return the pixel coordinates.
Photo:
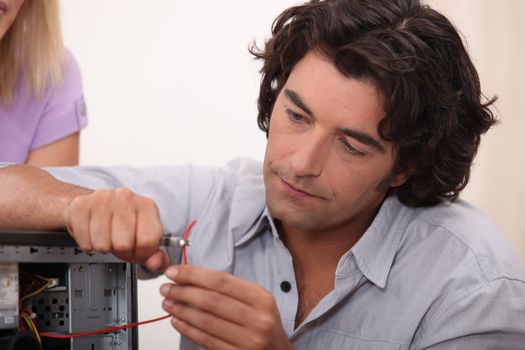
(310, 156)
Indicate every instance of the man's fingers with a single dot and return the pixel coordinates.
(117, 221)
(221, 282)
(149, 229)
(203, 329)
(158, 262)
(208, 303)
(123, 227)
(215, 303)
(100, 230)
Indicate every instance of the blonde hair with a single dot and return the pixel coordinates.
(32, 49)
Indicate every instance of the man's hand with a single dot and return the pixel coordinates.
(216, 310)
(118, 221)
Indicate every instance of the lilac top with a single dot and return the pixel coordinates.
(30, 123)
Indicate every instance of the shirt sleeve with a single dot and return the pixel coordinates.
(182, 192)
(64, 111)
(489, 317)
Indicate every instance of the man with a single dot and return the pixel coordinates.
(350, 235)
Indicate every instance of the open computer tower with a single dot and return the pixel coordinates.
(48, 285)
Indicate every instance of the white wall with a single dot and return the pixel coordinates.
(168, 81)
(172, 81)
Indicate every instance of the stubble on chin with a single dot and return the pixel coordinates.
(291, 213)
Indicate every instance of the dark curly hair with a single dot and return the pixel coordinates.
(434, 110)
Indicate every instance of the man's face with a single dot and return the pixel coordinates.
(325, 163)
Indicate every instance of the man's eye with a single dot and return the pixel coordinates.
(351, 149)
(294, 116)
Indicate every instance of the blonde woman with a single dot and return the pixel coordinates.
(41, 99)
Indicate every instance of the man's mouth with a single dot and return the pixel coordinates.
(3, 7)
(296, 191)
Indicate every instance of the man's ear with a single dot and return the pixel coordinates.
(400, 179)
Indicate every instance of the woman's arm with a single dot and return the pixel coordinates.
(63, 152)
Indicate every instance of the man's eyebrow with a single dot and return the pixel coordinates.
(360, 136)
(298, 101)
(364, 138)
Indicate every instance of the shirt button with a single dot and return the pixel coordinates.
(286, 286)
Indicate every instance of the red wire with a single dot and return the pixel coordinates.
(129, 325)
(99, 331)
(185, 238)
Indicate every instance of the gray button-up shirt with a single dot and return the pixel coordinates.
(420, 278)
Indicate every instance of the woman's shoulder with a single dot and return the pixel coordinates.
(71, 69)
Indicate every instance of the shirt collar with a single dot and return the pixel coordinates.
(263, 224)
(375, 251)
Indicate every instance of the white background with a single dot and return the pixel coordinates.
(172, 81)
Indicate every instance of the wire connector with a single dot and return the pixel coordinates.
(171, 241)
